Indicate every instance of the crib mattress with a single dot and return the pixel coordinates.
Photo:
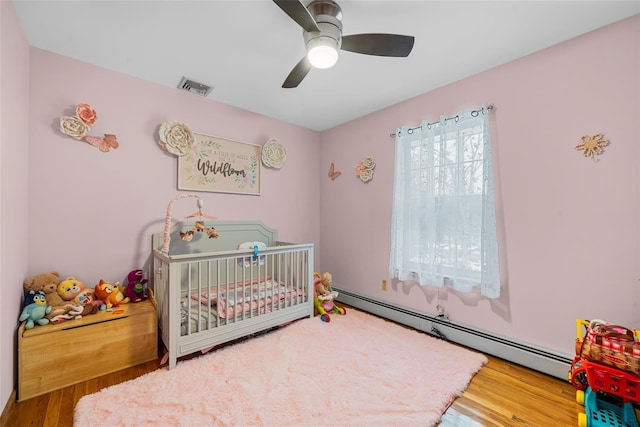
(260, 296)
(195, 317)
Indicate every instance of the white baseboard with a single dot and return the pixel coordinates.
(540, 359)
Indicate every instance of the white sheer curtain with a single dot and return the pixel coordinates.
(443, 222)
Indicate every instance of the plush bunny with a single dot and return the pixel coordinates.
(324, 296)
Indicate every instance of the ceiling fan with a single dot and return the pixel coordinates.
(321, 21)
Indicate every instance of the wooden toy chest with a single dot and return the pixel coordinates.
(54, 356)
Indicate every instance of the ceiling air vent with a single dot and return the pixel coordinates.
(194, 87)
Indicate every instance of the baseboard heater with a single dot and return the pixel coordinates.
(541, 360)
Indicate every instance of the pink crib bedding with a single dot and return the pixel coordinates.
(259, 295)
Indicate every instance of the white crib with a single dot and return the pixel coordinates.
(209, 292)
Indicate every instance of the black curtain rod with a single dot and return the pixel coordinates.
(474, 113)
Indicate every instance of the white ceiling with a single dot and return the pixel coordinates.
(245, 49)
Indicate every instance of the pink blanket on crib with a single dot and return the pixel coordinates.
(259, 294)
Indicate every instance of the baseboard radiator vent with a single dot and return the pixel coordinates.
(541, 360)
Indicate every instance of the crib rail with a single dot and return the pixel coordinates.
(206, 299)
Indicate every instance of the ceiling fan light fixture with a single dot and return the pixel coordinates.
(321, 21)
(322, 52)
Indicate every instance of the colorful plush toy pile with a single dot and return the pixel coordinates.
(51, 300)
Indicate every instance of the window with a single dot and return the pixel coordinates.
(443, 220)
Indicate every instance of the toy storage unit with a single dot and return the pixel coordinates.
(609, 387)
(54, 356)
(602, 413)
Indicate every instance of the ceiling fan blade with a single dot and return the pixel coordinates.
(378, 44)
(298, 73)
(299, 13)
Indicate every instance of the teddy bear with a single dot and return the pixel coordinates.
(73, 290)
(110, 295)
(35, 309)
(135, 286)
(324, 295)
(69, 288)
(48, 284)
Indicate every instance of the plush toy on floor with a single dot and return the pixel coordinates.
(323, 297)
(35, 309)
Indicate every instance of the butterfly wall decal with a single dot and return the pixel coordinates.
(332, 173)
(103, 144)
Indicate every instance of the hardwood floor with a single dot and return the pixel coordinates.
(504, 394)
(501, 394)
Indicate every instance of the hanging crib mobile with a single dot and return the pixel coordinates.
(198, 227)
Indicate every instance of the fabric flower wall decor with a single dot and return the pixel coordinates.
(79, 125)
(364, 169)
(273, 154)
(176, 138)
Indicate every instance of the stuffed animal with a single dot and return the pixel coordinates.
(109, 294)
(69, 288)
(87, 300)
(323, 297)
(135, 286)
(48, 283)
(88, 297)
(35, 309)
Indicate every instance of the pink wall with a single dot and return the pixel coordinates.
(93, 213)
(569, 225)
(14, 178)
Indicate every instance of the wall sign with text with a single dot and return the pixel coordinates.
(220, 165)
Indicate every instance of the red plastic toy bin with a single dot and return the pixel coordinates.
(613, 381)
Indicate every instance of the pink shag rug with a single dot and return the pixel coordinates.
(357, 370)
